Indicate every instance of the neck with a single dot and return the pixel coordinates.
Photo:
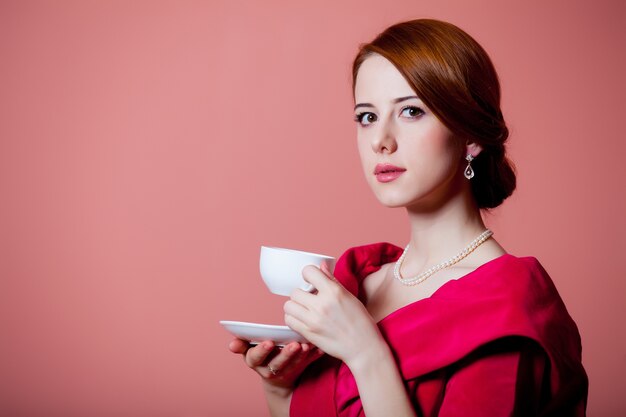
(440, 233)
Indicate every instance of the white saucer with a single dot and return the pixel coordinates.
(256, 332)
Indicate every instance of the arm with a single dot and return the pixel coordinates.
(287, 363)
(380, 384)
(278, 400)
(504, 378)
(340, 325)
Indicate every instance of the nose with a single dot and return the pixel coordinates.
(384, 139)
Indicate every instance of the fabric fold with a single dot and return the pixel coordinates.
(505, 297)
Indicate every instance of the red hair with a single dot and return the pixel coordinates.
(453, 75)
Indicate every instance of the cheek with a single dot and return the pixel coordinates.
(434, 153)
(364, 155)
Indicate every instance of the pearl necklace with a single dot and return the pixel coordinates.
(424, 275)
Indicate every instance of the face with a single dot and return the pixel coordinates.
(410, 159)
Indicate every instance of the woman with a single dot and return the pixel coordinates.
(451, 325)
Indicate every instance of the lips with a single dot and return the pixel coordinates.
(387, 172)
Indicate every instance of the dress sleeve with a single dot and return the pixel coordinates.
(507, 377)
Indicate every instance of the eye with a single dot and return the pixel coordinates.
(365, 117)
(412, 111)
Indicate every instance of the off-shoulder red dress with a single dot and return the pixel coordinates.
(496, 342)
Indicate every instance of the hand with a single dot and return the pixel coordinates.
(287, 362)
(332, 319)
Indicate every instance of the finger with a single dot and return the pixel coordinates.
(297, 310)
(238, 346)
(306, 360)
(299, 361)
(310, 346)
(304, 298)
(324, 269)
(257, 355)
(313, 275)
(315, 354)
(281, 361)
(297, 326)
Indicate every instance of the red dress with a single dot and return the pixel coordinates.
(496, 342)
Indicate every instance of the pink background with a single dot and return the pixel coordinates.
(148, 149)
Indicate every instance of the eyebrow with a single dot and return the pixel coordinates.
(394, 101)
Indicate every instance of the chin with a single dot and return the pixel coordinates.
(392, 201)
(394, 205)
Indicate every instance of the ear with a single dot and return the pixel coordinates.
(472, 148)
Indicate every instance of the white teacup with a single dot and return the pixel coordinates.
(281, 268)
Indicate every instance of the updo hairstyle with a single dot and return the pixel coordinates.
(453, 75)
